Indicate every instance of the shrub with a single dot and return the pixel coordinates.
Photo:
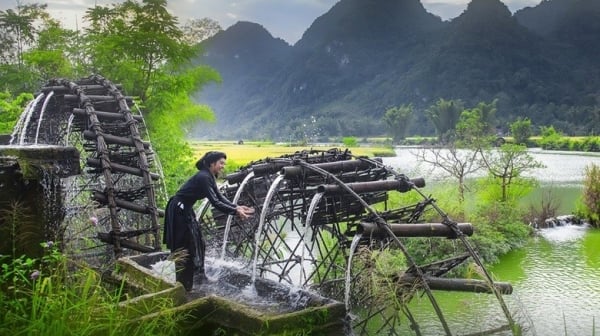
(591, 194)
(350, 142)
(521, 131)
(550, 138)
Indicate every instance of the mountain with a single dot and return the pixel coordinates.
(543, 19)
(246, 56)
(491, 55)
(364, 56)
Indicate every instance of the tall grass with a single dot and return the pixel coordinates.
(52, 296)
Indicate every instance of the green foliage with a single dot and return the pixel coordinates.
(54, 52)
(10, 110)
(350, 141)
(51, 296)
(475, 126)
(397, 118)
(551, 138)
(19, 31)
(521, 130)
(35, 48)
(444, 115)
(591, 194)
(130, 42)
(507, 166)
(498, 229)
(173, 113)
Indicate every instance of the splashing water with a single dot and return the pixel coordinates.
(236, 198)
(164, 269)
(566, 233)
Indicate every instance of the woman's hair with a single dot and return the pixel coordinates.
(209, 158)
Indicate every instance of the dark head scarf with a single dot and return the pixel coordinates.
(209, 158)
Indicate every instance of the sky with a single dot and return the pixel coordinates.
(286, 19)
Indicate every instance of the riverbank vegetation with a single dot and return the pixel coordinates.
(590, 208)
(52, 295)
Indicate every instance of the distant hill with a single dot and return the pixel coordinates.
(364, 56)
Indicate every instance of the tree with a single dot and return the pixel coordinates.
(168, 129)
(521, 130)
(474, 128)
(132, 41)
(18, 34)
(397, 119)
(457, 163)
(550, 138)
(444, 116)
(508, 163)
(18, 31)
(141, 46)
(51, 55)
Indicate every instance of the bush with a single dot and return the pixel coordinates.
(350, 141)
(591, 194)
(550, 138)
(521, 131)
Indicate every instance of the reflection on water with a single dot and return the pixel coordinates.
(556, 282)
(555, 278)
(560, 292)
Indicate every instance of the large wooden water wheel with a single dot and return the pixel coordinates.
(113, 203)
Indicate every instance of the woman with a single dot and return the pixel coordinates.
(181, 227)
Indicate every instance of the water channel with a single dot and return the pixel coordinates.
(556, 276)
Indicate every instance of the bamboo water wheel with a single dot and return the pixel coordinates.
(112, 205)
(323, 223)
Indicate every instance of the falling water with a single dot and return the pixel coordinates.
(19, 124)
(263, 215)
(24, 120)
(236, 198)
(353, 246)
(37, 130)
(69, 123)
(311, 208)
(309, 216)
(28, 118)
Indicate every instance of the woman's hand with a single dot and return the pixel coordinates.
(244, 212)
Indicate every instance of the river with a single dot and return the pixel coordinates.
(555, 277)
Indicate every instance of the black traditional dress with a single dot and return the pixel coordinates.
(181, 229)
